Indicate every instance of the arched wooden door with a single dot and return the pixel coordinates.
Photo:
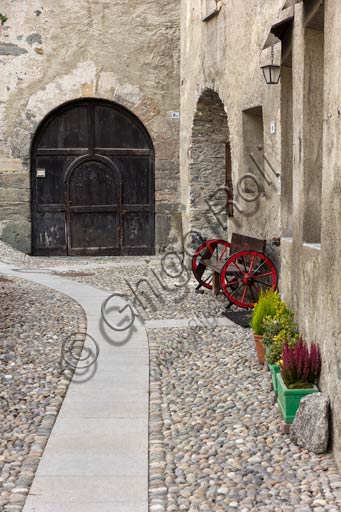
(92, 181)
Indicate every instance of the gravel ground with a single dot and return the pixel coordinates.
(34, 323)
(215, 441)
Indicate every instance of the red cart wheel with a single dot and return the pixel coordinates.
(245, 275)
(213, 248)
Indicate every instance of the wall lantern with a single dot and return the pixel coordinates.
(271, 72)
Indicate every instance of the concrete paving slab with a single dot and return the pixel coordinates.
(114, 506)
(179, 323)
(86, 407)
(97, 455)
(60, 491)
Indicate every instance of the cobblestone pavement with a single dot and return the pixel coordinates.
(215, 436)
(215, 440)
(34, 323)
(156, 295)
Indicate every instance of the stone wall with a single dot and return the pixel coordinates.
(53, 52)
(311, 278)
(223, 56)
(207, 168)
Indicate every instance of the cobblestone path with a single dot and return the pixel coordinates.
(215, 441)
(34, 323)
(215, 437)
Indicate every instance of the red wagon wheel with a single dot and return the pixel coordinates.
(217, 249)
(245, 275)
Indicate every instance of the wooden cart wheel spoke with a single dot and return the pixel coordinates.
(238, 267)
(245, 269)
(249, 285)
(252, 262)
(258, 290)
(244, 294)
(235, 291)
(263, 275)
(264, 284)
(223, 252)
(231, 283)
(253, 295)
(208, 250)
(258, 268)
(208, 279)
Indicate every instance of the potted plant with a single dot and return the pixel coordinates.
(278, 330)
(265, 308)
(300, 370)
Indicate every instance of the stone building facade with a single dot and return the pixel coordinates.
(224, 102)
(287, 136)
(52, 53)
(311, 243)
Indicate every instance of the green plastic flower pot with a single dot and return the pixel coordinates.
(289, 399)
(274, 369)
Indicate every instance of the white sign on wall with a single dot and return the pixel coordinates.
(174, 115)
(41, 173)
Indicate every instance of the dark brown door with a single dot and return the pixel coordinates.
(92, 182)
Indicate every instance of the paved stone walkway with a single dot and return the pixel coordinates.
(35, 321)
(214, 432)
(97, 455)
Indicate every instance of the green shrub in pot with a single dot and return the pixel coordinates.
(266, 307)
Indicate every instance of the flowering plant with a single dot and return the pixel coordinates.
(279, 329)
(301, 366)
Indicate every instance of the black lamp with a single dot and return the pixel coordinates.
(271, 72)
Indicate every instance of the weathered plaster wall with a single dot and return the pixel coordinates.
(311, 278)
(287, 151)
(224, 55)
(313, 132)
(53, 52)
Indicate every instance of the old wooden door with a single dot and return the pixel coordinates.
(92, 182)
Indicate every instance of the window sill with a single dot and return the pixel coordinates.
(317, 247)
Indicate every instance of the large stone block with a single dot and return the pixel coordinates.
(310, 429)
(18, 235)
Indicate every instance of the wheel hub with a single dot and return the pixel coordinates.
(248, 279)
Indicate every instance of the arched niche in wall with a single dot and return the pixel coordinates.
(210, 168)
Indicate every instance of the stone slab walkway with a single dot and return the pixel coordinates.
(97, 455)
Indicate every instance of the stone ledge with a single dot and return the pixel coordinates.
(10, 165)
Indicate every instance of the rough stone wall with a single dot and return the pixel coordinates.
(53, 52)
(224, 55)
(311, 278)
(207, 168)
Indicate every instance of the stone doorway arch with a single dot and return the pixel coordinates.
(210, 169)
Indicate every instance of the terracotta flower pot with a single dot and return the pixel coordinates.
(260, 349)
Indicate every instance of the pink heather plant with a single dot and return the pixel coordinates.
(301, 367)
